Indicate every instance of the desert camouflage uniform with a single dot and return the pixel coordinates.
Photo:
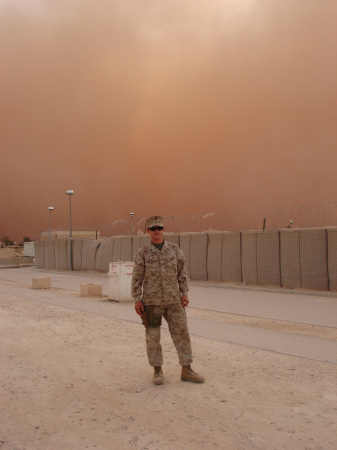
(159, 278)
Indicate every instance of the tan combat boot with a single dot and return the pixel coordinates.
(187, 374)
(158, 376)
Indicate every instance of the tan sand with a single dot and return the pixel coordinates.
(74, 380)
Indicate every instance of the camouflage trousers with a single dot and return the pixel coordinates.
(175, 317)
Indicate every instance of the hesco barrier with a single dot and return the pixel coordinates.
(291, 258)
(332, 259)
(313, 257)
(198, 256)
(214, 256)
(185, 245)
(231, 261)
(249, 257)
(224, 257)
(268, 258)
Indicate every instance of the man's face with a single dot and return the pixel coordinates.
(156, 233)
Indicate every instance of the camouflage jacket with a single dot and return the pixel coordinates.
(159, 277)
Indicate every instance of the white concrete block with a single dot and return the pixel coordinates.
(120, 275)
(126, 277)
(41, 283)
(91, 290)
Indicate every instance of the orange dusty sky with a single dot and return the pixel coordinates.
(164, 107)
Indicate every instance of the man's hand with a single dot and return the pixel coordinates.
(184, 301)
(139, 307)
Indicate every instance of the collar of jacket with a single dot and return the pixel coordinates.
(154, 249)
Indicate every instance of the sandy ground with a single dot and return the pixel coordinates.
(75, 380)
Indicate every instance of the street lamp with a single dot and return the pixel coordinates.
(50, 208)
(70, 192)
(132, 215)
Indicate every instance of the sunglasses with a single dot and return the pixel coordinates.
(156, 228)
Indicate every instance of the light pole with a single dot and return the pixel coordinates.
(50, 208)
(70, 192)
(132, 215)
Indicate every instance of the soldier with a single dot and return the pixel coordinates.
(160, 288)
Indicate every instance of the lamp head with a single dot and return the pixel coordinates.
(50, 208)
(132, 214)
(70, 192)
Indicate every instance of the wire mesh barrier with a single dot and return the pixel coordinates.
(310, 216)
(291, 258)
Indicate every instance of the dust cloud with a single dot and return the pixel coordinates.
(164, 107)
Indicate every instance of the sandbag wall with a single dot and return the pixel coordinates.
(290, 258)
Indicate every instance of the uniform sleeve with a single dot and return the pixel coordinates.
(138, 277)
(182, 274)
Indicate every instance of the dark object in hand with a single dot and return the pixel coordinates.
(144, 319)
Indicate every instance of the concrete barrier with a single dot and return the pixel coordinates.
(135, 246)
(68, 254)
(41, 283)
(99, 257)
(144, 239)
(91, 254)
(290, 258)
(138, 242)
(268, 258)
(172, 237)
(49, 247)
(41, 255)
(108, 254)
(12, 252)
(249, 256)
(36, 253)
(85, 247)
(91, 290)
(57, 256)
(61, 254)
(126, 248)
(116, 255)
(77, 253)
(17, 261)
(313, 256)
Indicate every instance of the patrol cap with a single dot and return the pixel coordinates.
(154, 220)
